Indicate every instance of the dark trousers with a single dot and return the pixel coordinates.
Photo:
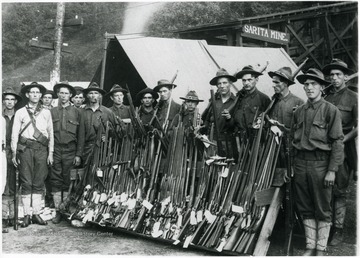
(33, 169)
(63, 162)
(312, 198)
(10, 175)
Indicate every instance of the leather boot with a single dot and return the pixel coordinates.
(36, 219)
(10, 222)
(320, 253)
(57, 218)
(323, 232)
(337, 237)
(310, 227)
(26, 221)
(4, 226)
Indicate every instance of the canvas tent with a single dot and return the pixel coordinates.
(140, 62)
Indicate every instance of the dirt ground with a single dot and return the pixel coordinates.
(65, 239)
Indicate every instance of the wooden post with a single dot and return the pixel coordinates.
(230, 39)
(102, 79)
(60, 14)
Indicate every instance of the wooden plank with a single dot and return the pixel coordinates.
(264, 197)
(77, 21)
(303, 44)
(263, 242)
(304, 55)
(47, 45)
(327, 34)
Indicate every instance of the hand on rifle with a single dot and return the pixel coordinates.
(15, 161)
(226, 114)
(77, 161)
(50, 159)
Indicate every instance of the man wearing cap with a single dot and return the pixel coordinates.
(67, 151)
(32, 145)
(92, 117)
(189, 115)
(78, 99)
(164, 89)
(147, 98)
(317, 148)
(223, 101)
(10, 98)
(120, 110)
(347, 102)
(251, 101)
(47, 99)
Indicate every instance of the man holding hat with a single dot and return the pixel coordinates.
(164, 89)
(10, 98)
(47, 99)
(147, 98)
(32, 145)
(347, 102)
(67, 151)
(78, 99)
(251, 101)
(92, 117)
(317, 148)
(117, 96)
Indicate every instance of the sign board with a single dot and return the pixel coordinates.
(264, 34)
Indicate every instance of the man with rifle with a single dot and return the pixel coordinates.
(32, 145)
(66, 149)
(318, 152)
(147, 97)
(217, 112)
(10, 98)
(119, 109)
(347, 102)
(92, 117)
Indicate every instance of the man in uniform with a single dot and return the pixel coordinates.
(10, 98)
(48, 98)
(189, 114)
(251, 101)
(78, 99)
(120, 110)
(92, 117)
(32, 145)
(318, 152)
(223, 101)
(346, 101)
(66, 150)
(164, 88)
(147, 97)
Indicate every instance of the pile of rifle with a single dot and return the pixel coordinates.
(182, 193)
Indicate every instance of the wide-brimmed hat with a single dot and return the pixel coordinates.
(220, 74)
(26, 88)
(284, 73)
(313, 74)
(164, 83)
(52, 93)
(248, 69)
(116, 88)
(78, 90)
(142, 93)
(93, 87)
(64, 84)
(10, 91)
(338, 65)
(192, 96)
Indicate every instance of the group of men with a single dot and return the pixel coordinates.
(62, 138)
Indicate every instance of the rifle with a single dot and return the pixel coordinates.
(139, 127)
(166, 122)
(16, 199)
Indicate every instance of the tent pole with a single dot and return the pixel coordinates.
(102, 79)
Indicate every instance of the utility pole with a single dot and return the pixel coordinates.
(60, 14)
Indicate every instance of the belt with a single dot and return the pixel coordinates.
(312, 155)
(33, 144)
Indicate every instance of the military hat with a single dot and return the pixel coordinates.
(247, 70)
(78, 90)
(220, 74)
(52, 93)
(65, 84)
(142, 93)
(192, 96)
(10, 91)
(284, 73)
(164, 83)
(93, 87)
(337, 64)
(26, 88)
(313, 74)
(116, 88)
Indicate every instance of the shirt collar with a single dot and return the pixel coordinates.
(333, 91)
(315, 105)
(100, 108)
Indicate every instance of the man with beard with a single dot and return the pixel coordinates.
(347, 102)
(32, 145)
(66, 150)
(147, 97)
(10, 98)
(317, 148)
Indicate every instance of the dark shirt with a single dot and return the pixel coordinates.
(66, 121)
(90, 122)
(163, 109)
(145, 116)
(317, 126)
(347, 102)
(122, 111)
(9, 124)
(250, 105)
(284, 107)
